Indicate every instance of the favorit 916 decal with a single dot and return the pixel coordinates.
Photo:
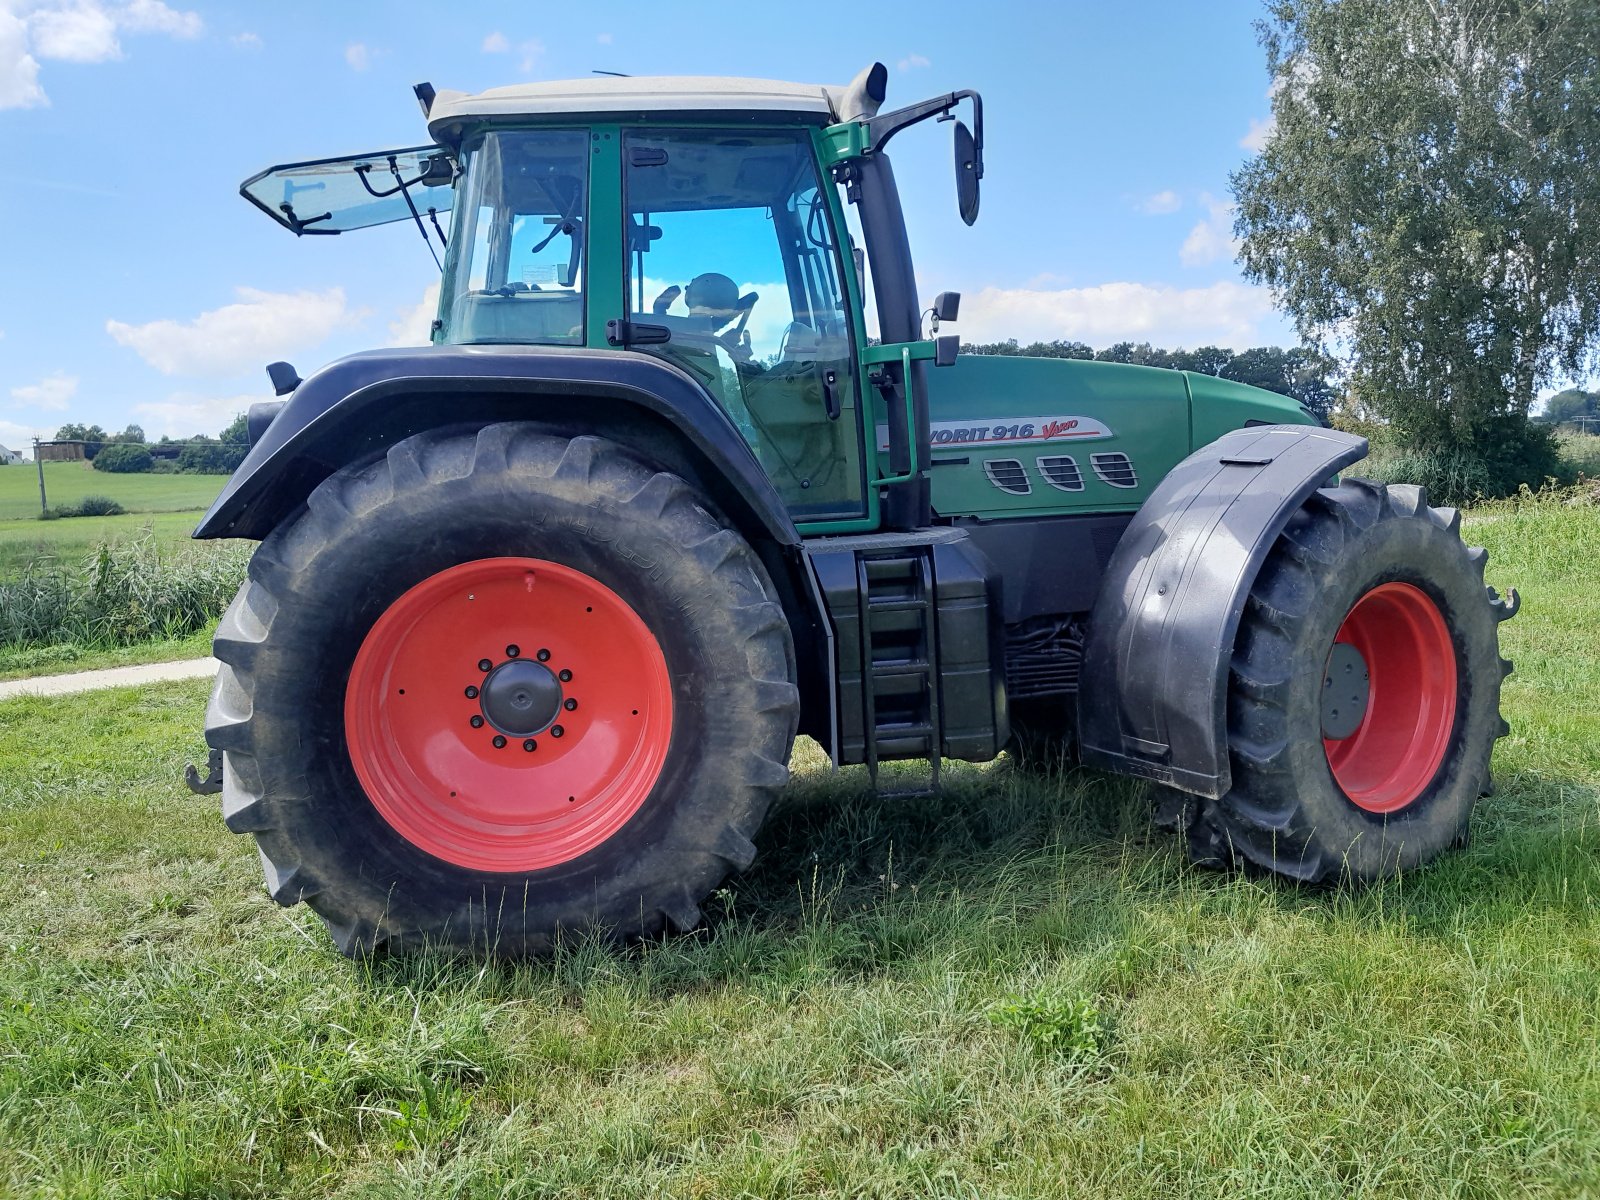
(1010, 431)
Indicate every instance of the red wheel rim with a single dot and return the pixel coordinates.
(486, 652)
(1411, 709)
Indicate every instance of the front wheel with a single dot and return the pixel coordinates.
(1364, 694)
(499, 685)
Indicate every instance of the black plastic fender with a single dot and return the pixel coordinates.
(359, 405)
(1155, 664)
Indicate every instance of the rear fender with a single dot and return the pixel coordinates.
(357, 407)
(1155, 664)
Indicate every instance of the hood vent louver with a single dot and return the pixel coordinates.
(1061, 472)
(1114, 469)
(1008, 475)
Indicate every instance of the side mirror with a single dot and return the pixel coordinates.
(946, 306)
(945, 350)
(967, 173)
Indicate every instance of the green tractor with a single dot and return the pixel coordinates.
(539, 609)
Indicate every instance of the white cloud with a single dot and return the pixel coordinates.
(1161, 203)
(414, 326)
(152, 16)
(1212, 237)
(184, 414)
(603, 38)
(52, 392)
(235, 338)
(20, 437)
(912, 62)
(80, 33)
(1227, 313)
(19, 70)
(247, 40)
(528, 52)
(358, 55)
(1261, 129)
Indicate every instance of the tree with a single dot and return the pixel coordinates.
(92, 436)
(1429, 200)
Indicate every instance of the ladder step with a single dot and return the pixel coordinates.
(896, 605)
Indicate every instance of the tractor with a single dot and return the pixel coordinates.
(539, 609)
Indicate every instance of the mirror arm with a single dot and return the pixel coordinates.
(881, 128)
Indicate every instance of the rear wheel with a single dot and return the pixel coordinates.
(497, 685)
(1363, 694)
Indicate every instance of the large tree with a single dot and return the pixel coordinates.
(1429, 201)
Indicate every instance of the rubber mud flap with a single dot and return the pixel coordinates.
(1155, 665)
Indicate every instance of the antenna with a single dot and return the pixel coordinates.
(618, 74)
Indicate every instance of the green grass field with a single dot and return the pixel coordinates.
(166, 1031)
(66, 482)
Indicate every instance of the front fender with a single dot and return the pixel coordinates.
(357, 406)
(1153, 699)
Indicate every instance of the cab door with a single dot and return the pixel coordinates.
(733, 270)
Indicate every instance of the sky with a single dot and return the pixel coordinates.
(139, 287)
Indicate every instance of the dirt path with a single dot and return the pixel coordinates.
(85, 681)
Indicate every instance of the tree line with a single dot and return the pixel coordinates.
(1304, 374)
(130, 452)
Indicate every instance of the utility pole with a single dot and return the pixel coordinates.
(38, 460)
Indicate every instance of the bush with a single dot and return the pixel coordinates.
(124, 458)
(97, 506)
(89, 506)
(121, 595)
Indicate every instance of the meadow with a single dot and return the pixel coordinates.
(1015, 989)
(68, 482)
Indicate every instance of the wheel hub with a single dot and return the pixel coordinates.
(521, 697)
(1346, 687)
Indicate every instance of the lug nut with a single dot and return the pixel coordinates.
(564, 675)
(485, 665)
(556, 731)
(543, 656)
(513, 650)
(569, 704)
(477, 721)
(472, 693)
(530, 745)
(499, 742)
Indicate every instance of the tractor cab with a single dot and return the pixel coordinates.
(699, 221)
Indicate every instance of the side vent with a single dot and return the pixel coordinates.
(1008, 475)
(1061, 472)
(1114, 469)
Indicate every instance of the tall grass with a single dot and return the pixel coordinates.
(121, 594)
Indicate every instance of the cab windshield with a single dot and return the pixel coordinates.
(514, 271)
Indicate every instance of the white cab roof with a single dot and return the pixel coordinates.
(605, 95)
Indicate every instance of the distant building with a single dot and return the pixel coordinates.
(72, 451)
(8, 457)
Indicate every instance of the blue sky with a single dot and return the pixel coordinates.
(140, 287)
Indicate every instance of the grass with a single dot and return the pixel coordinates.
(67, 482)
(27, 542)
(124, 595)
(1012, 990)
(27, 662)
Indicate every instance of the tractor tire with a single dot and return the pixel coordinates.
(498, 686)
(1363, 695)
